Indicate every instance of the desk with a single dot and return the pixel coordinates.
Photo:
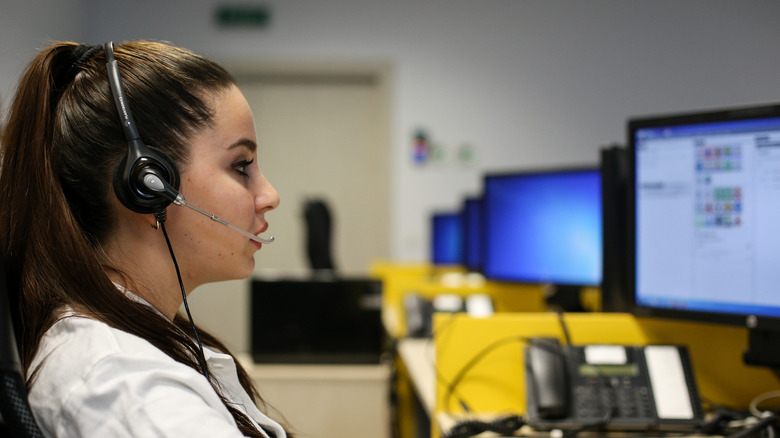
(496, 384)
(418, 357)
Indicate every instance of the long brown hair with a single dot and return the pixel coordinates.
(61, 144)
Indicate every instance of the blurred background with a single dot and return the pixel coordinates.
(490, 84)
(391, 111)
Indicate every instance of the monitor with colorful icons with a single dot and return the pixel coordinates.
(704, 204)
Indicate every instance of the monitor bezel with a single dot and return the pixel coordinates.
(759, 111)
(467, 238)
(527, 172)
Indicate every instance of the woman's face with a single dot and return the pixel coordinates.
(224, 179)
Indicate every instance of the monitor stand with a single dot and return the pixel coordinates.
(564, 297)
(763, 349)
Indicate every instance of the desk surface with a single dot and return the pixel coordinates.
(418, 356)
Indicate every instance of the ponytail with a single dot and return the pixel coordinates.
(34, 222)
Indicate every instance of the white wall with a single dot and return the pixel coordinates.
(25, 27)
(528, 83)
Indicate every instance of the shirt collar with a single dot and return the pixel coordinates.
(137, 298)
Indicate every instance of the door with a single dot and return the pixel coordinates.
(324, 135)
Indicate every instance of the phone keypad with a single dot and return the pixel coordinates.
(593, 399)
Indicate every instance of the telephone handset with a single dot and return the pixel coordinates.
(610, 386)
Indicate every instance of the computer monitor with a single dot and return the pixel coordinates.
(543, 226)
(325, 321)
(472, 233)
(447, 238)
(704, 206)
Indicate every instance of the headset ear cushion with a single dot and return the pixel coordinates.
(126, 183)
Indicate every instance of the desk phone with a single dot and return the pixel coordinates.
(612, 387)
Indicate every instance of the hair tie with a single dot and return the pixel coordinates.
(68, 69)
(82, 53)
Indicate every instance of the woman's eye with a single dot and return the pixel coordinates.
(242, 166)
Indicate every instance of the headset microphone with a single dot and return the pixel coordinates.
(158, 185)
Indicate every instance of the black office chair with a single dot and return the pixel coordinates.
(319, 235)
(17, 418)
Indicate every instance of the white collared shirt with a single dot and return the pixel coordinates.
(97, 381)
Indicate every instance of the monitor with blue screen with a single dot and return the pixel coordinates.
(543, 227)
(447, 238)
(704, 201)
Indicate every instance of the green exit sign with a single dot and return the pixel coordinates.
(242, 16)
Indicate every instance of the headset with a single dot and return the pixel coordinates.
(140, 162)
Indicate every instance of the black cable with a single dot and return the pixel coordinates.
(479, 356)
(474, 360)
(506, 426)
(719, 421)
(466, 429)
(442, 329)
(503, 426)
(564, 327)
(767, 422)
(184, 297)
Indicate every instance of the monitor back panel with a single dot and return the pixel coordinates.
(316, 321)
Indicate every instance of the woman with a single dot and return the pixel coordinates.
(95, 282)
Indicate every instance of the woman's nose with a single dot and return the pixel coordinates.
(267, 198)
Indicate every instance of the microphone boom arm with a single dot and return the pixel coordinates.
(155, 183)
(184, 203)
